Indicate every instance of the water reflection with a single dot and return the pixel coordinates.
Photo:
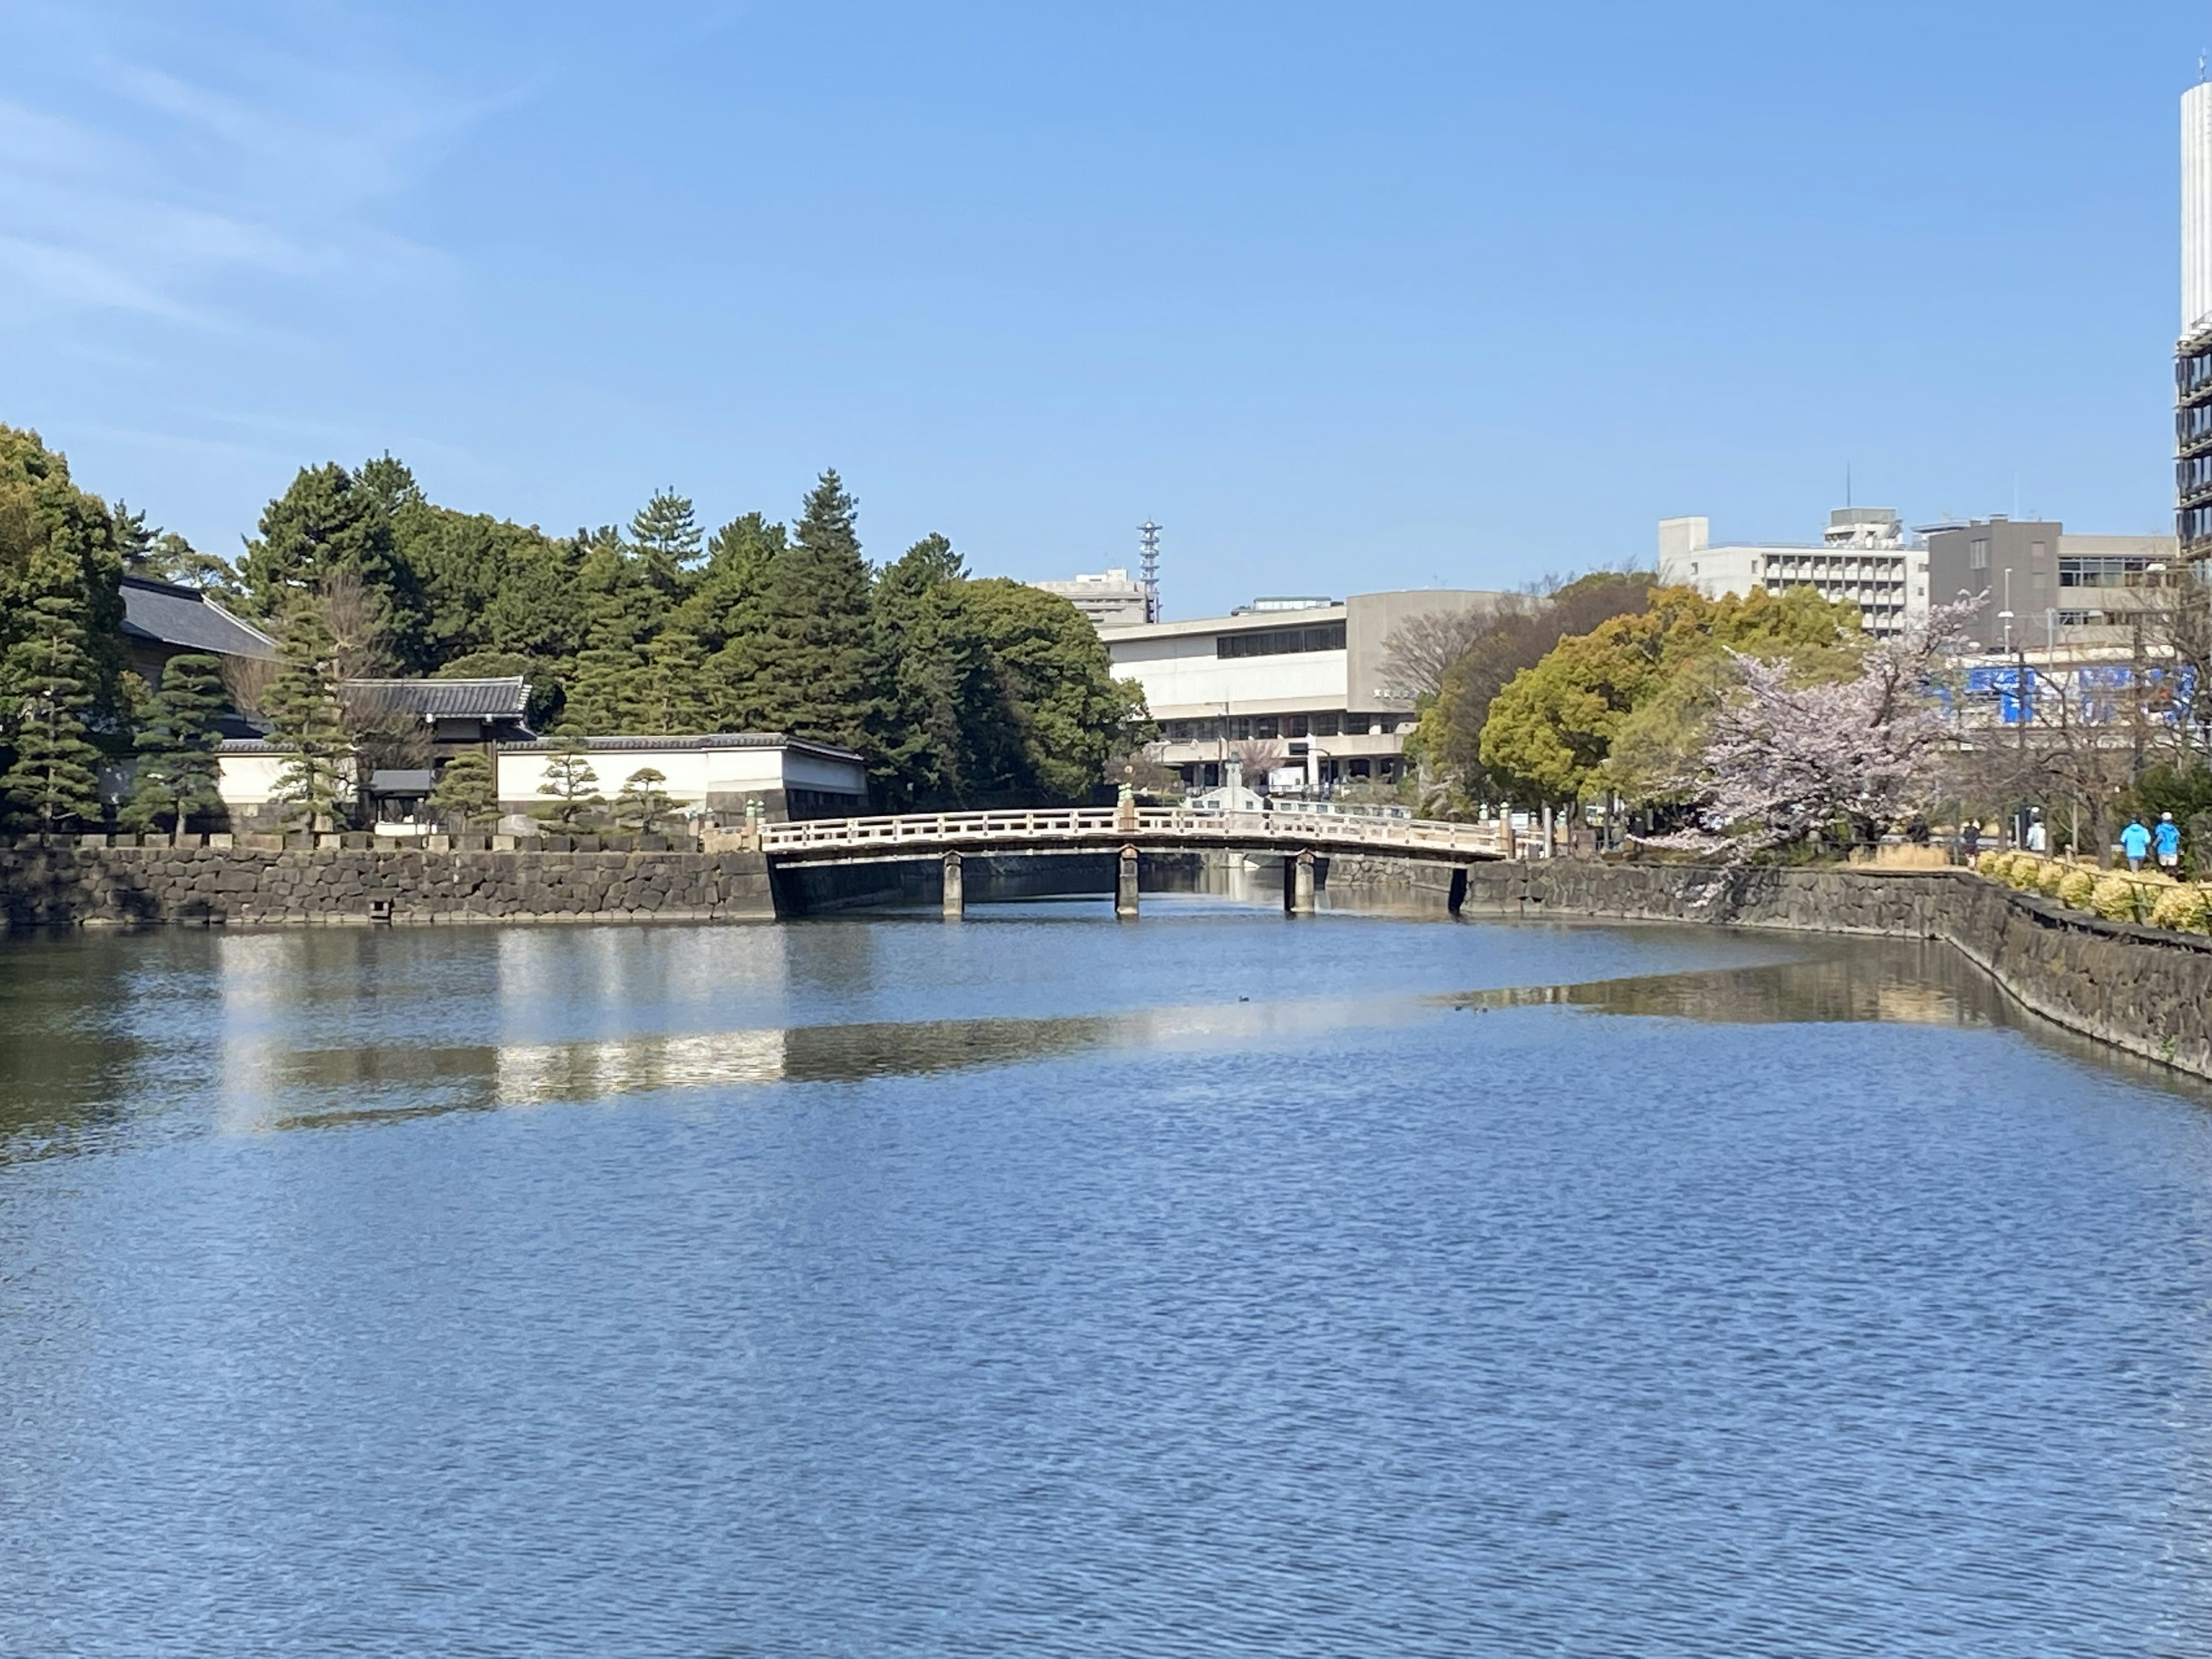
(1900, 984)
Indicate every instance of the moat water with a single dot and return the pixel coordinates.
(1215, 1284)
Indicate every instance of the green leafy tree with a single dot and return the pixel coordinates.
(809, 667)
(163, 555)
(466, 791)
(643, 805)
(1551, 729)
(571, 786)
(46, 686)
(937, 678)
(307, 721)
(329, 521)
(671, 695)
(1059, 713)
(179, 773)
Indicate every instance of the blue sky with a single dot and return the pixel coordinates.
(1347, 297)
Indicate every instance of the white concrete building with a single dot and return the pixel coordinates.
(1865, 557)
(1109, 599)
(716, 775)
(1307, 680)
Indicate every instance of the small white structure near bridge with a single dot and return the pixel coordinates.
(713, 776)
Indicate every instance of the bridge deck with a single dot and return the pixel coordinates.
(1158, 828)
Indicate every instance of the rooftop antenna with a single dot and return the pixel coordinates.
(1148, 534)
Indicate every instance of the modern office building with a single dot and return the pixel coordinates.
(1304, 680)
(1109, 599)
(2192, 356)
(2045, 588)
(1864, 557)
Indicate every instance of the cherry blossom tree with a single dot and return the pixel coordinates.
(1786, 762)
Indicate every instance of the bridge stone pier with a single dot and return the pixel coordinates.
(806, 853)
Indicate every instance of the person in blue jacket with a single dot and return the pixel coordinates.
(2167, 839)
(2135, 843)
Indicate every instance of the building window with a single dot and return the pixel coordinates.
(1327, 726)
(1280, 642)
(1977, 554)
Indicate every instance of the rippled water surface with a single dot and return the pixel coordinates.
(1217, 1285)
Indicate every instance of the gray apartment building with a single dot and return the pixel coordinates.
(2047, 588)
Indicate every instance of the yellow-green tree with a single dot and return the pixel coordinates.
(1552, 731)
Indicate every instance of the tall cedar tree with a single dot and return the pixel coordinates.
(328, 521)
(46, 678)
(56, 540)
(936, 670)
(809, 668)
(306, 721)
(179, 771)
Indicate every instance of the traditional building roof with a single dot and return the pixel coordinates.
(187, 618)
(504, 698)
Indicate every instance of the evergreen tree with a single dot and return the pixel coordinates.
(935, 667)
(307, 722)
(608, 691)
(58, 541)
(46, 678)
(666, 536)
(329, 521)
(467, 792)
(643, 803)
(179, 771)
(671, 695)
(571, 785)
(809, 667)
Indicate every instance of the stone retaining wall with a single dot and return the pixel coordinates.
(2141, 989)
(123, 885)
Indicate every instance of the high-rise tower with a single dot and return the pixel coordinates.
(2192, 357)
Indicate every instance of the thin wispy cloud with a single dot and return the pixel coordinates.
(165, 171)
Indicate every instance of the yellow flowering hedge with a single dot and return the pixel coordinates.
(2115, 895)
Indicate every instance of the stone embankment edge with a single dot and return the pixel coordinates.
(135, 886)
(2142, 990)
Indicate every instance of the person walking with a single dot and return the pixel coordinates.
(1969, 842)
(2166, 838)
(2038, 838)
(2135, 843)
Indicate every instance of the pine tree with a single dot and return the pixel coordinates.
(178, 772)
(46, 692)
(466, 791)
(666, 536)
(934, 666)
(329, 521)
(672, 693)
(643, 803)
(571, 785)
(306, 721)
(809, 668)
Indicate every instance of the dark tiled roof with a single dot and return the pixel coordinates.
(710, 740)
(183, 617)
(484, 700)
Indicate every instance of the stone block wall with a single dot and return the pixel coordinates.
(124, 885)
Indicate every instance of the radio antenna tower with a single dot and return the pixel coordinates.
(1148, 533)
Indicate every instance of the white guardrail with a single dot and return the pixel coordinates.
(1108, 824)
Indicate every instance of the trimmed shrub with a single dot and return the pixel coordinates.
(2051, 877)
(1990, 863)
(2114, 898)
(2185, 908)
(2076, 887)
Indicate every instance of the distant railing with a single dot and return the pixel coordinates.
(1108, 824)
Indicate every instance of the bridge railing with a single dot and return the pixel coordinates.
(1108, 824)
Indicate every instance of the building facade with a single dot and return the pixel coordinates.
(1304, 682)
(1109, 599)
(2192, 354)
(1864, 557)
(2046, 588)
